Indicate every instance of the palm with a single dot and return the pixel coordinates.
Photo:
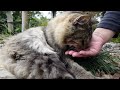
(94, 48)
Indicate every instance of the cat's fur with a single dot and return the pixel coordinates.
(38, 53)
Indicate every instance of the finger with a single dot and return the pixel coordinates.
(71, 52)
(75, 54)
(78, 55)
(91, 52)
(67, 52)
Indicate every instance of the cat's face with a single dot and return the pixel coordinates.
(81, 33)
(70, 31)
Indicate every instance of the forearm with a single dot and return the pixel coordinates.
(111, 21)
(104, 34)
(109, 24)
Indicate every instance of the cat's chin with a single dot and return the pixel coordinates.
(71, 48)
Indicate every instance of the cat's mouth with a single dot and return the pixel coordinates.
(71, 47)
(76, 48)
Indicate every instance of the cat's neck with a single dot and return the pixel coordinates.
(50, 39)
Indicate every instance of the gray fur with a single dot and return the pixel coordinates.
(32, 55)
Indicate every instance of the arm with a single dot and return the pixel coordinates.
(111, 21)
(104, 34)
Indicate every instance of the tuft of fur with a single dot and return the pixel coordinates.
(38, 53)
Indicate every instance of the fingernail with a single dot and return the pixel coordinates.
(66, 53)
(75, 54)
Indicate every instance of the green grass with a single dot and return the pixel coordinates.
(2, 37)
(116, 40)
(100, 63)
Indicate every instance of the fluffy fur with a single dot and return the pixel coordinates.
(38, 53)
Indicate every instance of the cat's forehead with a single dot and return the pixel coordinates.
(78, 17)
(72, 17)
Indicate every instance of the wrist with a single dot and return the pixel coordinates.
(104, 34)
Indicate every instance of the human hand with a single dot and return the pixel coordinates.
(99, 37)
(93, 49)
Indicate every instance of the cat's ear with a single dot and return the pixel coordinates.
(81, 20)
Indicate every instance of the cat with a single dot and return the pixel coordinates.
(38, 53)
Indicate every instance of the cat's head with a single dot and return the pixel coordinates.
(71, 30)
(80, 33)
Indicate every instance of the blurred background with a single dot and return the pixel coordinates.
(13, 22)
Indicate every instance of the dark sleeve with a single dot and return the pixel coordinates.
(111, 20)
